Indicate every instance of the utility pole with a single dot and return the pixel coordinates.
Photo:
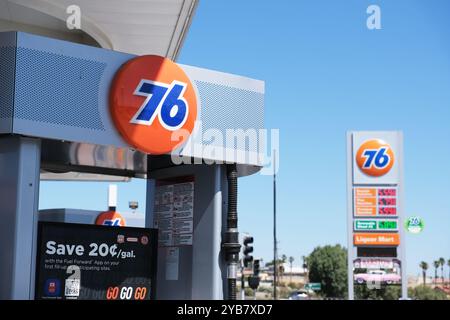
(274, 226)
(242, 281)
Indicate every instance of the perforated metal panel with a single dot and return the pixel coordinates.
(227, 107)
(68, 87)
(62, 92)
(7, 64)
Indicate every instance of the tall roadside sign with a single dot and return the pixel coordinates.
(376, 248)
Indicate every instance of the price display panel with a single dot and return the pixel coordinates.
(375, 201)
(390, 211)
(387, 201)
(387, 192)
(91, 262)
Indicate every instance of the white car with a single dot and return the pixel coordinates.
(298, 295)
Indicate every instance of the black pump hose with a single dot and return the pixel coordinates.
(230, 245)
(232, 197)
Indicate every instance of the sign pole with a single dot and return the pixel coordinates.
(375, 207)
(350, 217)
(401, 225)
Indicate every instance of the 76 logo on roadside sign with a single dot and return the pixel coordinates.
(375, 157)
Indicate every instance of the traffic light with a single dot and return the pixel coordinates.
(248, 248)
(256, 267)
(253, 282)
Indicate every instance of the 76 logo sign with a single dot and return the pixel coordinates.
(375, 157)
(164, 101)
(153, 104)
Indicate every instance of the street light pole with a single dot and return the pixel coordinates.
(274, 227)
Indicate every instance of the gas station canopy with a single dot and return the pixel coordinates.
(132, 26)
(136, 27)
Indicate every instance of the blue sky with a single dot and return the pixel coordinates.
(325, 74)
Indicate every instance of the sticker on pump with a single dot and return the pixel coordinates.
(110, 218)
(153, 104)
(375, 157)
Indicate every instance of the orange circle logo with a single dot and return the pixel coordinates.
(153, 104)
(375, 157)
(110, 218)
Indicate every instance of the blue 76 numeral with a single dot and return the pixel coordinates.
(164, 101)
(377, 157)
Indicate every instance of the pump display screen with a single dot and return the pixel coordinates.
(91, 262)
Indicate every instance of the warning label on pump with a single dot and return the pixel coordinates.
(174, 211)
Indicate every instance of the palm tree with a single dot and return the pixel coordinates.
(281, 271)
(424, 266)
(291, 261)
(448, 263)
(436, 265)
(283, 261)
(305, 267)
(442, 263)
(305, 264)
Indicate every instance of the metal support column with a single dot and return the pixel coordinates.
(401, 223)
(216, 285)
(350, 249)
(19, 196)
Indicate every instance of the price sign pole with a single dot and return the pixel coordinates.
(375, 207)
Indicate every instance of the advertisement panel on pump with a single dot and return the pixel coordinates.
(92, 262)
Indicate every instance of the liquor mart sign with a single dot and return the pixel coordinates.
(376, 239)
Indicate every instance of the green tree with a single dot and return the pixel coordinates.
(426, 293)
(328, 266)
(424, 266)
(386, 292)
(442, 263)
(436, 265)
